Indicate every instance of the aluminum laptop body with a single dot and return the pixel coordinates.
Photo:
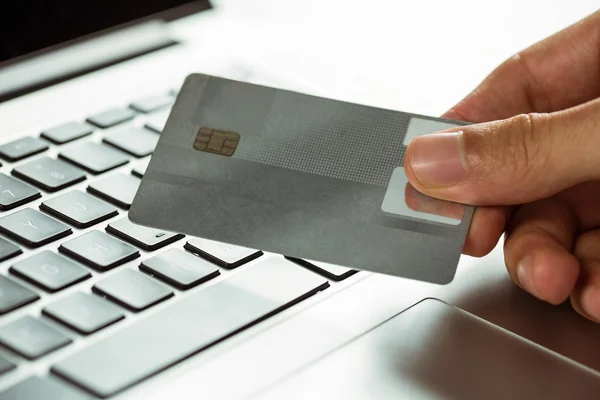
(95, 307)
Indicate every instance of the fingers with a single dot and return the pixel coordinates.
(537, 250)
(417, 201)
(513, 161)
(557, 73)
(583, 200)
(487, 225)
(586, 296)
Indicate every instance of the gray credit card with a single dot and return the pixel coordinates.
(299, 175)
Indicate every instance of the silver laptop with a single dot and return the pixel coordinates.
(93, 306)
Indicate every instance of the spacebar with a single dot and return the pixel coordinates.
(188, 326)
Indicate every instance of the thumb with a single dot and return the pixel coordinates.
(512, 161)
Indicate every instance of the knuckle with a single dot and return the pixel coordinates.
(520, 65)
(521, 143)
(508, 67)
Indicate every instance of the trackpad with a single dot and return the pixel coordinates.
(436, 351)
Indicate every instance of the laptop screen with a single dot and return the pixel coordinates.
(27, 26)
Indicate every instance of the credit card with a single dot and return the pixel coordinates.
(303, 176)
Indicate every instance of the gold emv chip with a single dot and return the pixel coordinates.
(216, 141)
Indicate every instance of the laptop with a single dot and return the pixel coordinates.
(93, 306)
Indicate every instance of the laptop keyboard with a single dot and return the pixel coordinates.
(64, 229)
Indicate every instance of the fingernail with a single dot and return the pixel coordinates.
(436, 159)
(590, 301)
(524, 275)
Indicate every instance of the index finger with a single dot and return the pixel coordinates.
(557, 73)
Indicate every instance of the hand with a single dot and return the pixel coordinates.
(534, 171)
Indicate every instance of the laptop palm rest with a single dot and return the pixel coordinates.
(436, 351)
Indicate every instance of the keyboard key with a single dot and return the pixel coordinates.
(133, 290)
(139, 142)
(94, 157)
(14, 295)
(111, 117)
(158, 121)
(14, 193)
(122, 359)
(8, 250)
(99, 250)
(141, 236)
(21, 148)
(330, 271)
(49, 174)
(118, 189)
(153, 103)
(140, 169)
(222, 254)
(79, 209)
(180, 269)
(84, 312)
(35, 387)
(31, 337)
(5, 366)
(67, 132)
(32, 228)
(50, 271)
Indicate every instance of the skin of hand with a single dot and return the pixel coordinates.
(531, 163)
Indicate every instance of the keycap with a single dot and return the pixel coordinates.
(140, 169)
(14, 193)
(133, 290)
(152, 103)
(50, 271)
(84, 312)
(222, 254)
(79, 209)
(330, 271)
(8, 250)
(21, 148)
(157, 121)
(31, 337)
(111, 117)
(49, 174)
(14, 295)
(34, 388)
(146, 238)
(138, 142)
(99, 250)
(32, 228)
(94, 157)
(5, 366)
(180, 269)
(189, 325)
(67, 132)
(118, 189)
